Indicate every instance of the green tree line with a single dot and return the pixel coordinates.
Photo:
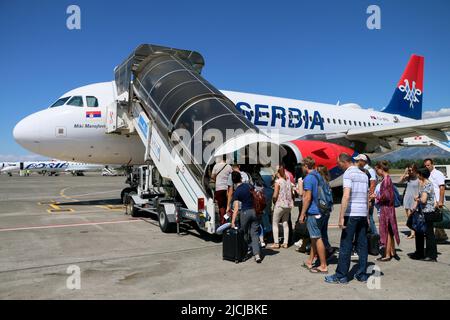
(403, 163)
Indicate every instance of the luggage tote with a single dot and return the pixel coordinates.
(234, 245)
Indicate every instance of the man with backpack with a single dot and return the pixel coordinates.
(325, 206)
(245, 178)
(248, 217)
(312, 214)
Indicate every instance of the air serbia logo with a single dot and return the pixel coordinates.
(274, 116)
(411, 93)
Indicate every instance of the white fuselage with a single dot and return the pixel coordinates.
(78, 133)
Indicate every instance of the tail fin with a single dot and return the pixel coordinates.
(408, 96)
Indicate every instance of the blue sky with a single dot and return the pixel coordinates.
(311, 50)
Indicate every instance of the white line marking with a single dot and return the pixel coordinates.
(71, 225)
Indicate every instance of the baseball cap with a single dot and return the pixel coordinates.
(361, 157)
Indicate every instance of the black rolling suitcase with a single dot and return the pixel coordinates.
(234, 245)
(373, 244)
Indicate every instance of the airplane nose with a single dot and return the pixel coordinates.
(26, 133)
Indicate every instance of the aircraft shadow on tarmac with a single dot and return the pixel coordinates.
(102, 202)
(185, 229)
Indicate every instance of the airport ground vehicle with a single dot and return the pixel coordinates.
(160, 91)
(445, 169)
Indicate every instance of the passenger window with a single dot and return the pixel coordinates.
(76, 101)
(339, 121)
(334, 121)
(328, 120)
(91, 101)
(345, 122)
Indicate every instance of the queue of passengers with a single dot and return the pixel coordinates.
(365, 190)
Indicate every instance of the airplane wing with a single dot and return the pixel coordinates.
(443, 145)
(433, 128)
(424, 141)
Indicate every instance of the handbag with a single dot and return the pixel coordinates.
(445, 222)
(397, 200)
(300, 230)
(435, 216)
(409, 221)
(418, 221)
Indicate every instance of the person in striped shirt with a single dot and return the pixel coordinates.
(353, 220)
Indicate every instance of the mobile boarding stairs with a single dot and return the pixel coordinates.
(160, 92)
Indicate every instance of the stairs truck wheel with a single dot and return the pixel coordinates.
(164, 223)
(131, 208)
(124, 194)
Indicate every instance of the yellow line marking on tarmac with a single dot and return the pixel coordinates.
(62, 194)
(111, 207)
(46, 202)
(116, 206)
(56, 209)
(60, 210)
(102, 207)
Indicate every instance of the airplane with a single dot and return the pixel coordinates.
(51, 167)
(74, 127)
(424, 141)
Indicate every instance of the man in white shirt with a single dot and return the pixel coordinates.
(219, 174)
(353, 220)
(363, 165)
(438, 180)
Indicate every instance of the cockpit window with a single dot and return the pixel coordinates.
(91, 101)
(76, 101)
(60, 102)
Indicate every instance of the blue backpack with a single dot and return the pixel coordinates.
(397, 198)
(325, 196)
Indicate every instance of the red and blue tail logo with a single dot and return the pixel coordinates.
(408, 96)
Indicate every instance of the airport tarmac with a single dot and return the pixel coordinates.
(48, 224)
